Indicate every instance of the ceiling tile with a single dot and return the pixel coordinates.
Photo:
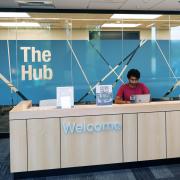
(71, 4)
(103, 4)
(8, 4)
(107, 4)
(140, 4)
(168, 5)
(107, 1)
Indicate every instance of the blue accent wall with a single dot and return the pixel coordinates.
(149, 59)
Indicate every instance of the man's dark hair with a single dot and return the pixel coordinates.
(134, 73)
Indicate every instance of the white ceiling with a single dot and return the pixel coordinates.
(162, 5)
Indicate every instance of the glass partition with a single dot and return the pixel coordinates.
(40, 51)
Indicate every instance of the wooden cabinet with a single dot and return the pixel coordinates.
(151, 136)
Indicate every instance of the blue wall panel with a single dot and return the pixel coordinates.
(152, 60)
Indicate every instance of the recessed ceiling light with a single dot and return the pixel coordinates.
(135, 16)
(19, 24)
(111, 25)
(13, 14)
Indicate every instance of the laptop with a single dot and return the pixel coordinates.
(142, 98)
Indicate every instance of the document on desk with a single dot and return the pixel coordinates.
(104, 95)
(65, 97)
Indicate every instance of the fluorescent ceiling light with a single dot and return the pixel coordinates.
(175, 27)
(111, 25)
(135, 16)
(13, 14)
(19, 24)
(150, 25)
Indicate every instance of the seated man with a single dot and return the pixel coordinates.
(133, 87)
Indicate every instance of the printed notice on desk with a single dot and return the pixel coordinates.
(104, 95)
(65, 97)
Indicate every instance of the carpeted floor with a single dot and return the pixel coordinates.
(4, 119)
(165, 172)
(4, 160)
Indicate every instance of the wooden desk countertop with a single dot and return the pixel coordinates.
(24, 110)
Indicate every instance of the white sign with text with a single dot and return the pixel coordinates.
(65, 97)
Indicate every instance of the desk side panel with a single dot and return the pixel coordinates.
(18, 146)
(173, 134)
(43, 144)
(151, 136)
(130, 137)
(91, 148)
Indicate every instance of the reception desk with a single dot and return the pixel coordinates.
(44, 138)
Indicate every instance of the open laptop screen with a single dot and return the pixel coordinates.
(142, 98)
